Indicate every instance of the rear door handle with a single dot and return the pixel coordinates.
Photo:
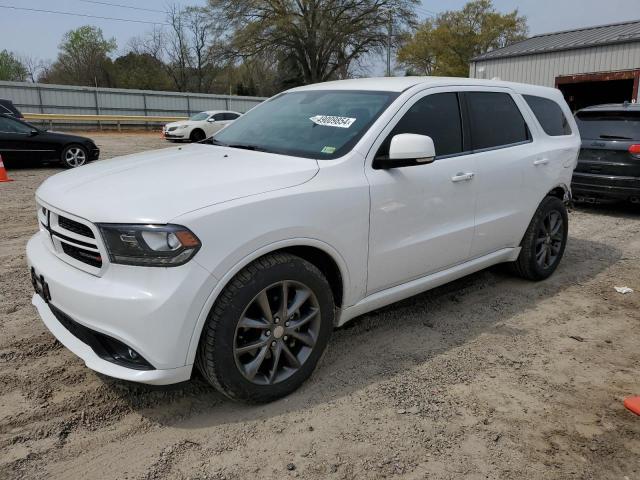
(541, 161)
(462, 177)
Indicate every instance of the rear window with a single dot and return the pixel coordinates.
(611, 125)
(550, 115)
(495, 120)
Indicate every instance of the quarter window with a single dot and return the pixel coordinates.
(550, 115)
(495, 120)
(437, 116)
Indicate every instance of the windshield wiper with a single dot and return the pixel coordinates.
(615, 137)
(245, 146)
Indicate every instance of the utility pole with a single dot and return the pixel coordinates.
(389, 40)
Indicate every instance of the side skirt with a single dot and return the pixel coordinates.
(414, 287)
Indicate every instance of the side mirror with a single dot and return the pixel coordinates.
(406, 150)
(34, 132)
(211, 120)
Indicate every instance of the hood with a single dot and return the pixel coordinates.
(185, 123)
(65, 137)
(160, 185)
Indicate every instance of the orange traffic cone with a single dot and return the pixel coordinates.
(633, 404)
(3, 173)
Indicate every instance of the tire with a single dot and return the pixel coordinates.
(544, 241)
(227, 356)
(74, 156)
(197, 135)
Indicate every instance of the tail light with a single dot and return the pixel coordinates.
(635, 150)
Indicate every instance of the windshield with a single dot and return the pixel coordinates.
(613, 125)
(319, 124)
(199, 116)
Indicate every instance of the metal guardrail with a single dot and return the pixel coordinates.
(117, 120)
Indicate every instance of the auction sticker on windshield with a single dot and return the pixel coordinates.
(331, 121)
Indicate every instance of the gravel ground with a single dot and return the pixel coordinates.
(488, 377)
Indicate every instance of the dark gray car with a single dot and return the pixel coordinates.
(609, 162)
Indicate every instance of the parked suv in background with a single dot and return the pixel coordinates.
(199, 126)
(609, 162)
(321, 204)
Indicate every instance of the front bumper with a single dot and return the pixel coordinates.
(606, 187)
(152, 310)
(174, 136)
(94, 362)
(94, 154)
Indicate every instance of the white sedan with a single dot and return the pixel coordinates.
(199, 126)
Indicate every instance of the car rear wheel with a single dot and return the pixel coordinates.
(267, 330)
(74, 156)
(197, 136)
(544, 241)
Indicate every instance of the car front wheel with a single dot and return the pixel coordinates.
(197, 136)
(267, 330)
(74, 156)
(544, 241)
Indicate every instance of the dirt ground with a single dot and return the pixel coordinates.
(489, 377)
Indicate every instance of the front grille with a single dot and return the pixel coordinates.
(74, 240)
(75, 227)
(86, 256)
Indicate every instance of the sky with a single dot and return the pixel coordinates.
(37, 34)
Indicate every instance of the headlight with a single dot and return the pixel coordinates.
(180, 127)
(149, 245)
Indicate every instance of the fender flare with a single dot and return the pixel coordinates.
(272, 247)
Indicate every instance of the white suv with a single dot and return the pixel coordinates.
(325, 202)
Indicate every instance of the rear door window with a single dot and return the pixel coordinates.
(495, 120)
(609, 125)
(550, 115)
(437, 116)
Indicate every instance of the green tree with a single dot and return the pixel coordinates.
(83, 58)
(11, 68)
(320, 39)
(445, 45)
(139, 70)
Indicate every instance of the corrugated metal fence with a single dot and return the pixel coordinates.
(63, 99)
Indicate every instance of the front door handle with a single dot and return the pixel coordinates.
(541, 161)
(462, 177)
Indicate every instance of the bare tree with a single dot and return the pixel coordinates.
(186, 47)
(35, 67)
(323, 37)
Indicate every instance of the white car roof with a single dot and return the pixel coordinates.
(212, 112)
(400, 84)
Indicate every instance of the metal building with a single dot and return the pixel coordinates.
(593, 65)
